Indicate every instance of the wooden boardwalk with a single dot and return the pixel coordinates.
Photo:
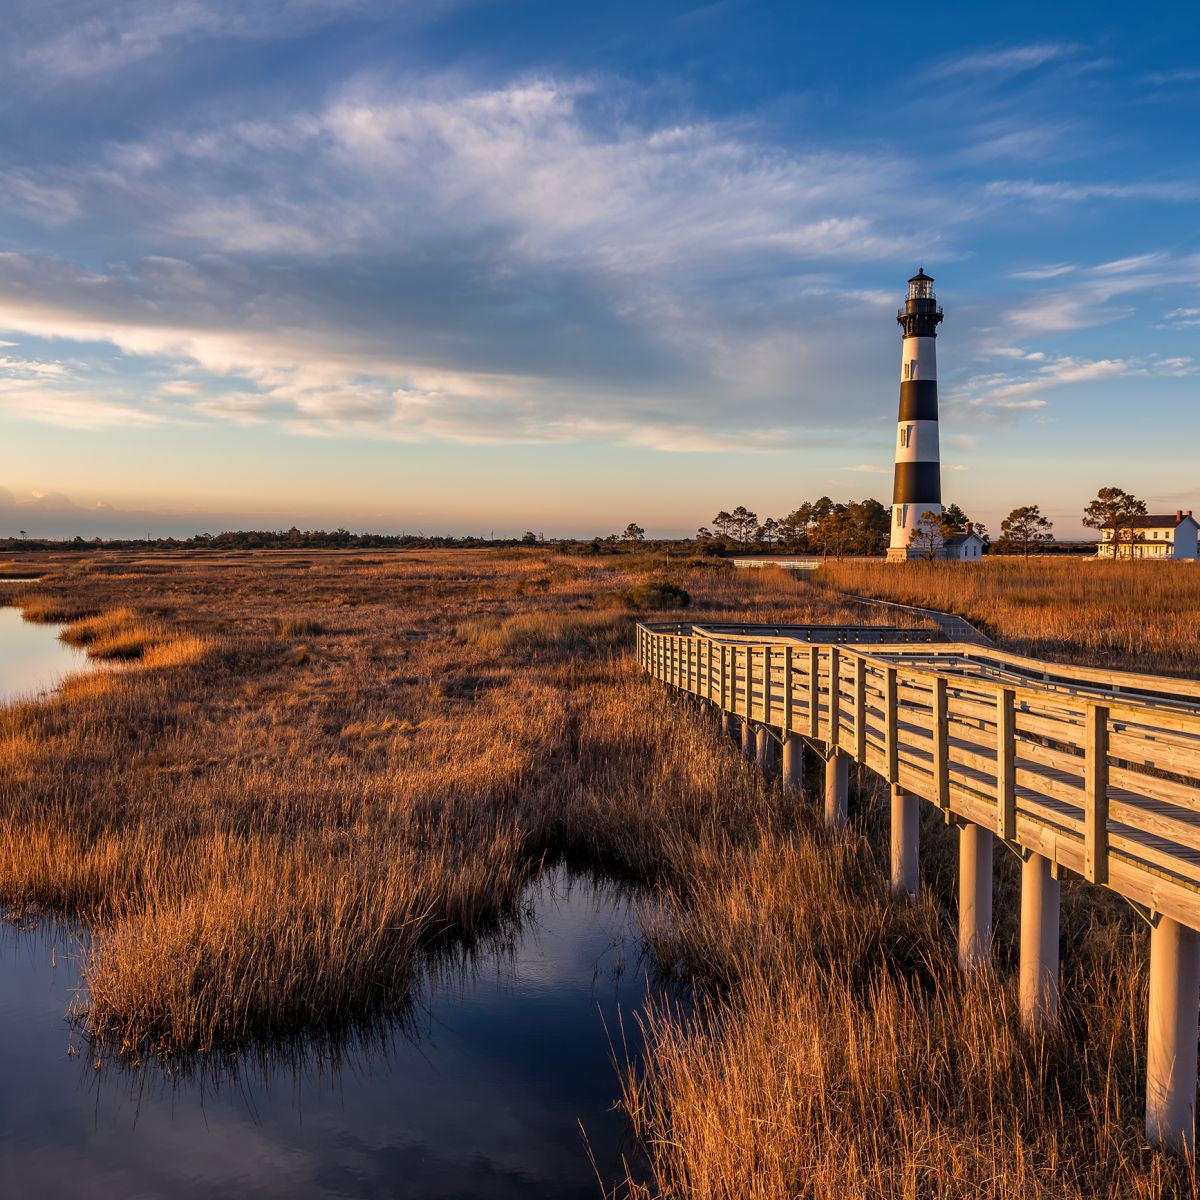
(1087, 772)
(956, 629)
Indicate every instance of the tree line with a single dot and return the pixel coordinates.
(862, 528)
(858, 528)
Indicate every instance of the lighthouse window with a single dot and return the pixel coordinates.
(905, 436)
(913, 369)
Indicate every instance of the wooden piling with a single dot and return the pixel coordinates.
(1039, 943)
(974, 896)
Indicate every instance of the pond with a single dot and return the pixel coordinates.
(32, 659)
(482, 1096)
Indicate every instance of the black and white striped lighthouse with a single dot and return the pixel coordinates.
(918, 486)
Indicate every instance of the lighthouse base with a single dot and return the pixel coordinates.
(907, 553)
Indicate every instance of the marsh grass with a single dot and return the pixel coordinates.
(294, 627)
(269, 840)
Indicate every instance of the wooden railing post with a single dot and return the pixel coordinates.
(767, 684)
(1006, 759)
(891, 725)
(787, 691)
(835, 697)
(941, 743)
(814, 692)
(1095, 793)
(860, 708)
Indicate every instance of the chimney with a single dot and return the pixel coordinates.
(1179, 515)
(968, 528)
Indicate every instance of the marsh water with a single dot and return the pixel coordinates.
(500, 1083)
(489, 1091)
(32, 659)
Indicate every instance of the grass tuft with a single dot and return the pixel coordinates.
(294, 627)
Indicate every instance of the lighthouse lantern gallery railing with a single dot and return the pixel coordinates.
(1087, 772)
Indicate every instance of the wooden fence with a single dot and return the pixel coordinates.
(1087, 772)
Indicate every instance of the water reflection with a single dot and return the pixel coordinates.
(32, 659)
(480, 1094)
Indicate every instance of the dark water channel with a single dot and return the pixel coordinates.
(486, 1091)
(483, 1094)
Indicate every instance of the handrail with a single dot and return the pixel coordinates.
(1077, 747)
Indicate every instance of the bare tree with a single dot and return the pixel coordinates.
(1026, 529)
(1117, 510)
(928, 537)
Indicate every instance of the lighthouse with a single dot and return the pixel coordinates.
(918, 485)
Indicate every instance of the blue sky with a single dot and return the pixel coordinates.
(482, 266)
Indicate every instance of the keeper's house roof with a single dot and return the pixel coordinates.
(1158, 521)
(957, 539)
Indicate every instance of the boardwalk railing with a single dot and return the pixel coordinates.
(1087, 772)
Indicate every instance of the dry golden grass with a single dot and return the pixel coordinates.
(267, 831)
(1140, 616)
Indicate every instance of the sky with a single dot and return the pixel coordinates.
(482, 266)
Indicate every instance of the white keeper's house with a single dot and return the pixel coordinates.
(1171, 535)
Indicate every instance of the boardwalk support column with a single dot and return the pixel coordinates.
(749, 740)
(1171, 1035)
(1039, 943)
(837, 789)
(974, 896)
(729, 726)
(766, 750)
(793, 764)
(906, 834)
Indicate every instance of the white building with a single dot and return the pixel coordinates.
(962, 547)
(1171, 535)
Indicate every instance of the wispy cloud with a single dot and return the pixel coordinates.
(1183, 318)
(1049, 272)
(1010, 60)
(1062, 192)
(89, 38)
(1179, 75)
(1086, 296)
(1007, 392)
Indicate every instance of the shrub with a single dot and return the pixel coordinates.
(298, 627)
(649, 597)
